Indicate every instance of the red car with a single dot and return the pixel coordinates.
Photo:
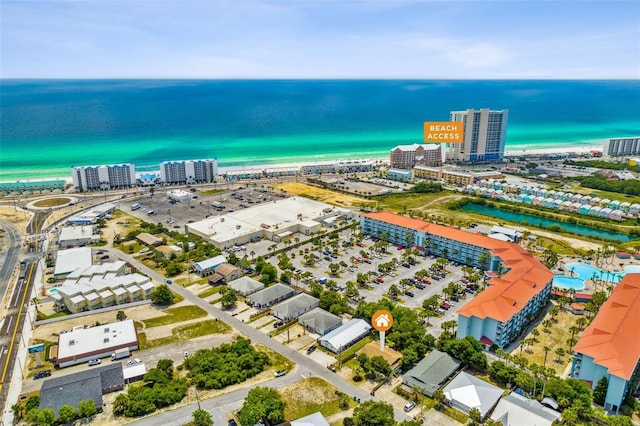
(400, 247)
(427, 282)
(380, 280)
(360, 244)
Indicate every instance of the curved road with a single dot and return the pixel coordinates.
(224, 404)
(9, 258)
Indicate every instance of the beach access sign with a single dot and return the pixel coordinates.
(443, 131)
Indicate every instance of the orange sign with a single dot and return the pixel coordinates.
(382, 320)
(443, 131)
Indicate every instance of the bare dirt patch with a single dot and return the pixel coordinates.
(52, 202)
(18, 218)
(323, 195)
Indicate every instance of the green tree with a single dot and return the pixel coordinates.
(121, 316)
(32, 402)
(67, 413)
(202, 418)
(268, 274)
(439, 396)
(162, 295)
(87, 408)
(46, 417)
(600, 391)
(120, 404)
(371, 413)
(229, 299)
(262, 403)
(475, 415)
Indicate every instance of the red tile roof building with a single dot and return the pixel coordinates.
(610, 346)
(503, 309)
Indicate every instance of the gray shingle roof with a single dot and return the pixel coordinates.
(319, 319)
(76, 387)
(431, 372)
(270, 294)
(290, 307)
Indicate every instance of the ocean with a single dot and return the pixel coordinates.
(47, 126)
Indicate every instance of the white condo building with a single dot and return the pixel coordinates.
(189, 171)
(484, 136)
(113, 176)
(620, 147)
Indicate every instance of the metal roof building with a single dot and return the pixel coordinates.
(69, 260)
(516, 410)
(465, 392)
(431, 372)
(346, 335)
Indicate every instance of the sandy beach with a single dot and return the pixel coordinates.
(375, 160)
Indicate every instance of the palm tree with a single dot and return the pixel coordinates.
(546, 350)
(535, 334)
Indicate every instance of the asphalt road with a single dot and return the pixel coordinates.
(9, 258)
(218, 408)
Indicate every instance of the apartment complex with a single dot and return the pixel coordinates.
(621, 147)
(609, 347)
(485, 133)
(188, 171)
(453, 177)
(113, 176)
(502, 310)
(407, 156)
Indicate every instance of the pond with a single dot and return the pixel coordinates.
(544, 222)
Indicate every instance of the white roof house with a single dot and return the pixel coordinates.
(245, 285)
(346, 335)
(69, 260)
(516, 410)
(315, 419)
(465, 392)
(82, 344)
(509, 232)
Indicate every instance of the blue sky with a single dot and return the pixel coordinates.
(319, 39)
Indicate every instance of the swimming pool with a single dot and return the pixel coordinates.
(588, 272)
(52, 290)
(568, 283)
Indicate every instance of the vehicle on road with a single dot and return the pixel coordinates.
(120, 353)
(94, 362)
(232, 423)
(280, 373)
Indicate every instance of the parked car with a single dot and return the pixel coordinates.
(232, 423)
(421, 286)
(278, 324)
(409, 293)
(41, 374)
(409, 406)
(311, 349)
(380, 280)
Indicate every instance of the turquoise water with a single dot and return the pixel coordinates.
(49, 125)
(53, 290)
(587, 272)
(543, 222)
(568, 283)
(632, 269)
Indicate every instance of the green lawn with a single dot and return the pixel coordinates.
(311, 395)
(208, 292)
(186, 332)
(173, 315)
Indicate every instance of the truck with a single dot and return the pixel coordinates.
(120, 353)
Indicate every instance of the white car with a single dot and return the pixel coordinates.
(409, 406)
(280, 373)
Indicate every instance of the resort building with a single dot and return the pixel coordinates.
(188, 171)
(621, 147)
(519, 290)
(408, 156)
(453, 177)
(100, 286)
(113, 176)
(609, 347)
(484, 136)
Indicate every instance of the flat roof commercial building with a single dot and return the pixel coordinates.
(501, 311)
(83, 344)
(609, 347)
(69, 260)
(266, 220)
(73, 236)
(180, 195)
